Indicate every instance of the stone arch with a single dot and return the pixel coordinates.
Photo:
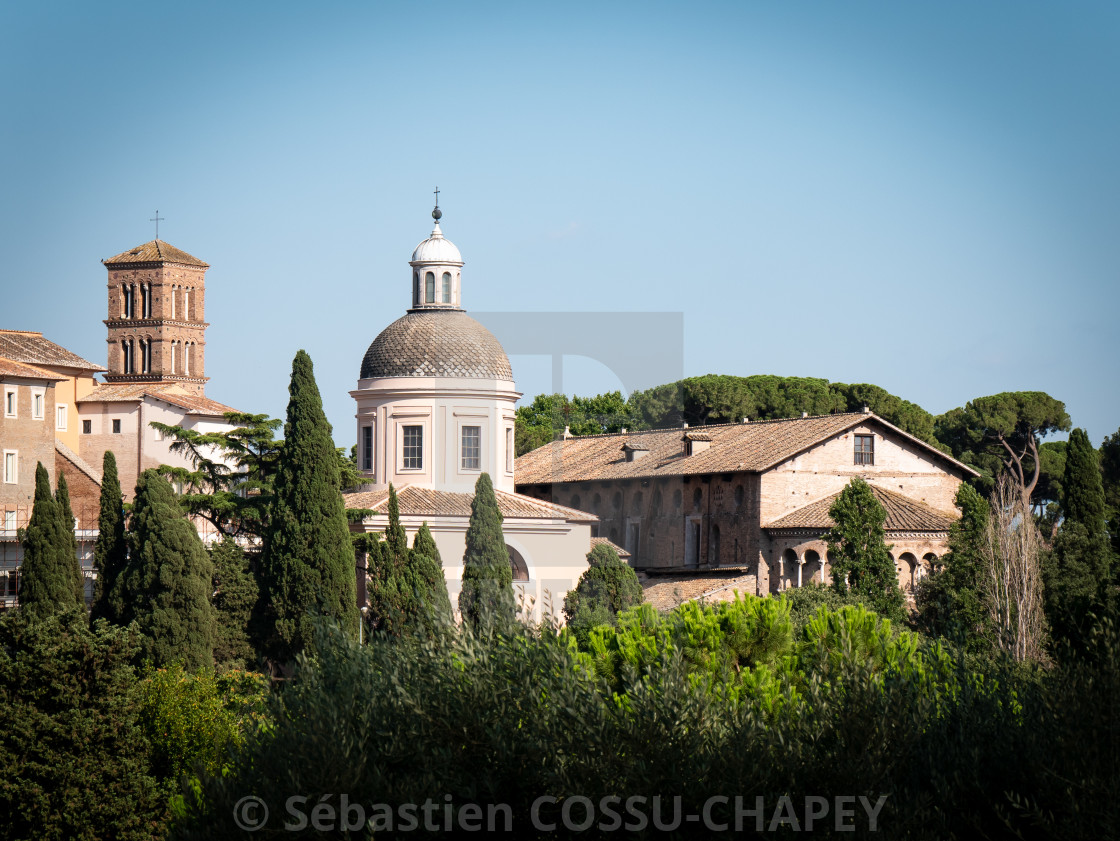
(814, 566)
(930, 563)
(575, 501)
(517, 564)
(908, 566)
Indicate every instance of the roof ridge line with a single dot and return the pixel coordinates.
(758, 422)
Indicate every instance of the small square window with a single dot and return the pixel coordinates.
(87, 427)
(116, 425)
(413, 450)
(865, 449)
(472, 448)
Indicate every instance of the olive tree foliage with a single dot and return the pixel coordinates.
(1013, 586)
(861, 560)
(1001, 433)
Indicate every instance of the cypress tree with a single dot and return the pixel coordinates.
(169, 579)
(1078, 569)
(110, 553)
(487, 595)
(858, 542)
(66, 521)
(426, 567)
(45, 584)
(389, 597)
(235, 594)
(952, 601)
(308, 556)
(606, 587)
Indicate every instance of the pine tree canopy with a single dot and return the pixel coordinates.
(487, 594)
(110, 553)
(169, 579)
(66, 520)
(308, 558)
(46, 583)
(861, 555)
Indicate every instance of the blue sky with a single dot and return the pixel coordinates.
(921, 196)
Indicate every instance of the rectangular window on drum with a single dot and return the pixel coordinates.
(472, 447)
(865, 449)
(367, 448)
(413, 451)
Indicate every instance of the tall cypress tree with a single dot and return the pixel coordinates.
(66, 521)
(858, 542)
(308, 556)
(389, 599)
(110, 553)
(428, 581)
(487, 595)
(169, 579)
(235, 593)
(1078, 569)
(45, 584)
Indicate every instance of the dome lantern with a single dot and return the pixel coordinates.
(436, 270)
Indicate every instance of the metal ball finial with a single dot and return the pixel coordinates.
(436, 214)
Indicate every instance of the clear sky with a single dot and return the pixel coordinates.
(924, 196)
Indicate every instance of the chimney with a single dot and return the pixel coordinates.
(867, 410)
(567, 433)
(746, 420)
(624, 430)
(804, 414)
(684, 425)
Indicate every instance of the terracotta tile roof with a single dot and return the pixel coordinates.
(78, 462)
(603, 541)
(156, 251)
(8, 368)
(30, 347)
(751, 447)
(903, 514)
(426, 502)
(171, 393)
(665, 592)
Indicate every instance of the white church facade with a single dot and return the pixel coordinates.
(435, 405)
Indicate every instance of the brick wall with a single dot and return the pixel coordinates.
(31, 438)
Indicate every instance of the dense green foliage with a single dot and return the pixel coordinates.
(710, 399)
(606, 587)
(46, 581)
(168, 580)
(74, 765)
(487, 593)
(719, 700)
(951, 602)
(406, 586)
(110, 553)
(66, 520)
(192, 719)
(1110, 478)
(230, 483)
(861, 560)
(234, 596)
(1078, 569)
(308, 559)
(1001, 432)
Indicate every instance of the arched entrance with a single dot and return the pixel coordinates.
(517, 564)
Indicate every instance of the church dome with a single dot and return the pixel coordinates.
(436, 343)
(437, 249)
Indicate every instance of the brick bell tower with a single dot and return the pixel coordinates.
(157, 326)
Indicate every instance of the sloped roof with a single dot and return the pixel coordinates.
(78, 462)
(29, 346)
(903, 514)
(426, 502)
(156, 251)
(172, 393)
(8, 368)
(752, 447)
(665, 592)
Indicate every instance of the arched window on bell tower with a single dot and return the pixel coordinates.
(447, 287)
(429, 288)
